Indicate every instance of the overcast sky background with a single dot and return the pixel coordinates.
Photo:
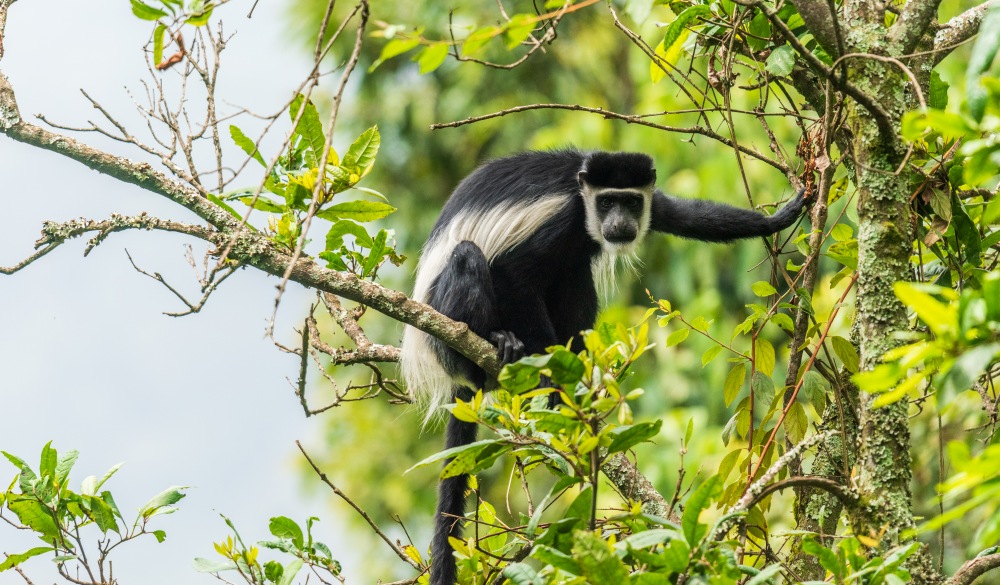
(88, 360)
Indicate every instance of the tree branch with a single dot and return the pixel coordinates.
(628, 118)
(959, 29)
(975, 568)
(917, 15)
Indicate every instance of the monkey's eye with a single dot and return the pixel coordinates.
(605, 203)
(633, 203)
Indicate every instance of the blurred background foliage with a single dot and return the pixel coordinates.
(590, 64)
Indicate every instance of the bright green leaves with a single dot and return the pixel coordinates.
(290, 539)
(669, 49)
(961, 343)
(195, 13)
(169, 17)
(430, 54)
(983, 54)
(851, 561)
(307, 192)
(146, 12)
(937, 131)
(44, 503)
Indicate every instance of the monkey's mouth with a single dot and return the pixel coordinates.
(620, 238)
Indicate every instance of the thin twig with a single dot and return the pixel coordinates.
(322, 476)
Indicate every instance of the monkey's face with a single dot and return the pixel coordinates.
(617, 218)
(620, 216)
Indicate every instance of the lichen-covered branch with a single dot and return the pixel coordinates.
(974, 569)
(916, 16)
(959, 29)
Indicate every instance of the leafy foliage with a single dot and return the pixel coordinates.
(306, 193)
(42, 501)
(290, 539)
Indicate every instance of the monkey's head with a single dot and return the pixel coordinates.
(617, 190)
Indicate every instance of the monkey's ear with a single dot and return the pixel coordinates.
(581, 177)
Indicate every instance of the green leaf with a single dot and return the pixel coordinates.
(520, 574)
(216, 200)
(362, 211)
(158, 43)
(674, 32)
(34, 515)
(200, 13)
(309, 127)
(475, 446)
(762, 288)
(764, 356)
(734, 383)
(102, 514)
(395, 48)
(677, 336)
(291, 569)
(518, 29)
(597, 560)
(969, 366)
(763, 388)
(284, 527)
(263, 204)
(247, 145)
(361, 154)
(710, 354)
(47, 463)
(700, 500)
(518, 377)
(556, 558)
(145, 11)
(64, 465)
(431, 57)
(847, 353)
(478, 39)
(814, 388)
(16, 559)
(983, 53)
(781, 61)
(376, 254)
(937, 95)
(796, 422)
(629, 436)
(339, 229)
(842, 232)
(213, 566)
(167, 497)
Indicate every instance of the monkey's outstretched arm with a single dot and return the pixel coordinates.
(718, 222)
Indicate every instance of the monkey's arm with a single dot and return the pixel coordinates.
(718, 222)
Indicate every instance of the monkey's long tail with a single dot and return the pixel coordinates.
(451, 504)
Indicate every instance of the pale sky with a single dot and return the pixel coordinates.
(88, 360)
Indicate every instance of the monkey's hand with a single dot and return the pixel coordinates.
(788, 214)
(509, 348)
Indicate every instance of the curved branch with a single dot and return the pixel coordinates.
(959, 29)
(627, 118)
(975, 568)
(833, 487)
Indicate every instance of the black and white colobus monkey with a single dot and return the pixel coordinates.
(515, 254)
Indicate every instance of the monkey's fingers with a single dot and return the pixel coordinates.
(509, 347)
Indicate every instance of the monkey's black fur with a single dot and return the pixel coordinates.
(541, 291)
